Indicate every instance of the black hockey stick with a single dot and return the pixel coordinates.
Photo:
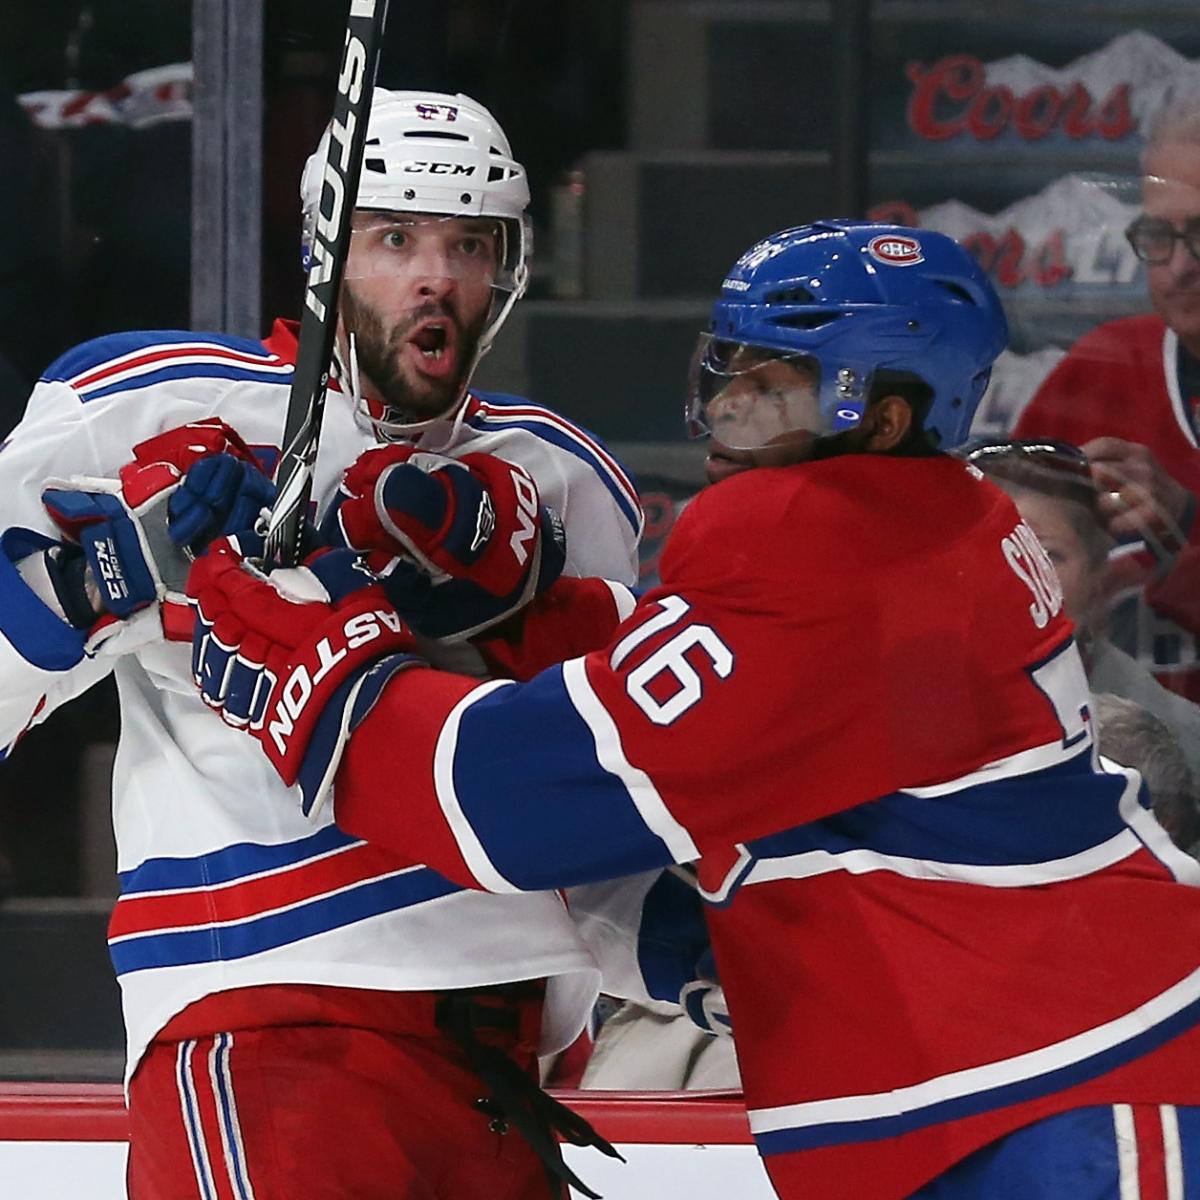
(330, 247)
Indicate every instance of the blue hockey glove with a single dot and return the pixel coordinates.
(674, 953)
(218, 496)
(458, 544)
(138, 533)
(703, 999)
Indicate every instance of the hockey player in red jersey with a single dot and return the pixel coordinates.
(855, 703)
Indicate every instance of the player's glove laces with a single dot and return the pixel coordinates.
(459, 544)
(295, 658)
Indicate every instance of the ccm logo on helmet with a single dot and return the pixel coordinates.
(895, 249)
(417, 166)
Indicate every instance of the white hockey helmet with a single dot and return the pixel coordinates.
(446, 155)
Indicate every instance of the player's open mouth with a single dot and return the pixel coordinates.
(434, 348)
(723, 462)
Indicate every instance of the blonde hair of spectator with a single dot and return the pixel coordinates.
(1134, 737)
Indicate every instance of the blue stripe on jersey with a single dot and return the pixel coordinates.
(1038, 817)
(231, 1131)
(810, 1137)
(549, 432)
(200, 370)
(87, 356)
(187, 1091)
(1073, 1153)
(515, 805)
(222, 943)
(233, 862)
(29, 626)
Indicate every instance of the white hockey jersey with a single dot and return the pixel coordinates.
(218, 889)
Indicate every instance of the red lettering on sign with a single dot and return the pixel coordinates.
(953, 97)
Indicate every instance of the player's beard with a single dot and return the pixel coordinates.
(379, 348)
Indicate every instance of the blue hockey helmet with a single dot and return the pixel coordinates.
(837, 302)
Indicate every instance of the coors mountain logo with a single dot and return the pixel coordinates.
(1106, 95)
(1067, 238)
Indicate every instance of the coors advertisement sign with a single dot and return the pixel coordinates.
(1096, 104)
(1036, 165)
(1068, 239)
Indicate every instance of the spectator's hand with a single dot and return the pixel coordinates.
(1138, 499)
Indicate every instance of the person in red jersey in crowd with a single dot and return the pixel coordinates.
(1128, 393)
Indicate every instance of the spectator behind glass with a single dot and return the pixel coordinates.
(1054, 489)
(1133, 736)
(1128, 393)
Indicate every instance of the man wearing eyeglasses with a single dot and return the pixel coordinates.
(1129, 394)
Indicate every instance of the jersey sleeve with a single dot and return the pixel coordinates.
(1177, 593)
(756, 691)
(592, 769)
(646, 932)
(569, 619)
(603, 521)
(42, 659)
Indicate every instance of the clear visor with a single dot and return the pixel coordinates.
(747, 396)
(471, 251)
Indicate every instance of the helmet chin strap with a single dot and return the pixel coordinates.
(345, 365)
(394, 431)
(348, 370)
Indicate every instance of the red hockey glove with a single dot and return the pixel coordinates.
(469, 541)
(138, 532)
(295, 658)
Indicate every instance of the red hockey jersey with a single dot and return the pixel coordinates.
(1121, 380)
(855, 701)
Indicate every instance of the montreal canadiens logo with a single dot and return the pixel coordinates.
(895, 249)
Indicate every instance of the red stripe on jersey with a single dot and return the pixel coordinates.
(137, 914)
(552, 418)
(33, 716)
(184, 352)
(1151, 1156)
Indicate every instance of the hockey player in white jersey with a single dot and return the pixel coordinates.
(299, 1006)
